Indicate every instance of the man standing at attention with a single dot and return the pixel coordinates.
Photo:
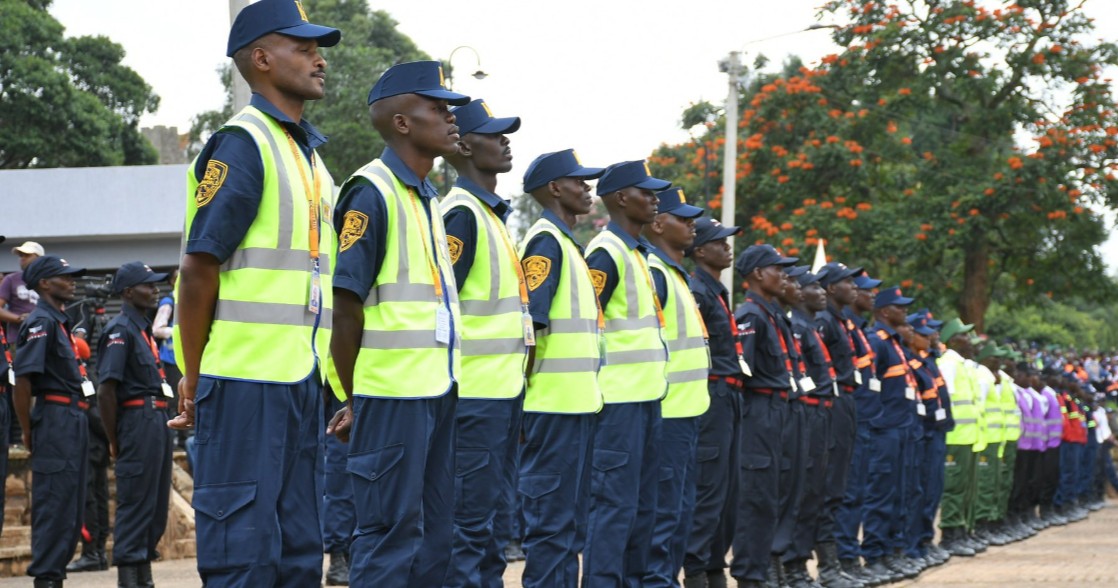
(254, 301)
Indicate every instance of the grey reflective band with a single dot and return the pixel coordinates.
(267, 313)
(397, 292)
(274, 259)
(566, 365)
(632, 324)
(966, 421)
(634, 356)
(993, 425)
(688, 376)
(372, 339)
(632, 304)
(507, 346)
(685, 343)
(402, 220)
(570, 326)
(491, 307)
(286, 212)
(962, 402)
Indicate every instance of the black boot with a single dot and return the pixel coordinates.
(90, 561)
(775, 577)
(854, 569)
(144, 572)
(514, 551)
(716, 579)
(44, 583)
(338, 572)
(697, 581)
(830, 570)
(127, 576)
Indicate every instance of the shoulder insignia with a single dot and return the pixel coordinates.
(881, 334)
(598, 277)
(216, 172)
(353, 227)
(35, 329)
(536, 270)
(950, 458)
(455, 245)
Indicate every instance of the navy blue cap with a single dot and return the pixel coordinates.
(134, 273)
(807, 278)
(756, 256)
(932, 322)
(919, 323)
(48, 266)
(796, 271)
(891, 296)
(865, 282)
(476, 117)
(630, 173)
(707, 230)
(559, 164)
(416, 77)
(285, 17)
(835, 272)
(674, 201)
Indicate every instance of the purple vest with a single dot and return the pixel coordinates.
(1053, 420)
(1034, 432)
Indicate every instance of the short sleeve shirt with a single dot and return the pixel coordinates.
(549, 255)
(125, 356)
(46, 354)
(461, 227)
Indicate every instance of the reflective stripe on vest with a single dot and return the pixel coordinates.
(688, 355)
(1011, 413)
(493, 351)
(263, 329)
(636, 358)
(564, 378)
(964, 392)
(400, 356)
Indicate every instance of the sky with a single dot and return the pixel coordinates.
(607, 78)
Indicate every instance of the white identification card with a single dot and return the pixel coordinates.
(920, 410)
(744, 367)
(857, 378)
(875, 385)
(835, 388)
(791, 384)
(442, 325)
(315, 303)
(529, 329)
(11, 377)
(910, 393)
(87, 388)
(167, 390)
(807, 384)
(941, 414)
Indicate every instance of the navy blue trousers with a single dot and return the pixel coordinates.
(1088, 456)
(258, 470)
(401, 461)
(758, 501)
(884, 479)
(716, 486)
(675, 501)
(338, 516)
(143, 483)
(932, 464)
(843, 434)
(482, 475)
(554, 488)
(623, 484)
(915, 485)
(848, 518)
(1069, 474)
(59, 442)
(817, 423)
(794, 465)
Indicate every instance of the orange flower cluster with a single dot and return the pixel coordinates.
(904, 91)
(1015, 163)
(1057, 214)
(846, 212)
(864, 206)
(762, 224)
(855, 163)
(854, 147)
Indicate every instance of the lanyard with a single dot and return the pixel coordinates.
(74, 346)
(862, 338)
(155, 354)
(909, 379)
(521, 282)
(7, 352)
(783, 343)
(733, 327)
(648, 278)
(436, 277)
(314, 199)
(826, 353)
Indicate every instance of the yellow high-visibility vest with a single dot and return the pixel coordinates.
(688, 354)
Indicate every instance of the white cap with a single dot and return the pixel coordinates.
(29, 248)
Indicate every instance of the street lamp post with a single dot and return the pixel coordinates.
(477, 75)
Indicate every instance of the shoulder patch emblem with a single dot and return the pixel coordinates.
(216, 172)
(536, 270)
(455, 245)
(598, 277)
(353, 228)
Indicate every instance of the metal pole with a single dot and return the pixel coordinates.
(730, 157)
(241, 92)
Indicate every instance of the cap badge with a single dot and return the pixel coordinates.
(302, 13)
(682, 197)
(487, 111)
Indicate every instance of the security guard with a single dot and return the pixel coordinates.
(837, 281)
(562, 394)
(712, 524)
(496, 334)
(399, 322)
(959, 376)
(632, 380)
(990, 431)
(767, 349)
(1011, 433)
(338, 511)
(938, 421)
(671, 233)
(55, 430)
(916, 335)
(1050, 461)
(133, 394)
(253, 301)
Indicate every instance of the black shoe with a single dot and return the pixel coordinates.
(796, 576)
(44, 583)
(898, 564)
(90, 561)
(853, 568)
(338, 572)
(127, 576)
(774, 577)
(699, 581)
(878, 568)
(716, 579)
(954, 543)
(941, 554)
(514, 552)
(830, 570)
(743, 583)
(144, 573)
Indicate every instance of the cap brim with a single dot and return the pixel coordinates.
(869, 285)
(686, 211)
(903, 301)
(452, 98)
(153, 278)
(786, 261)
(849, 272)
(935, 324)
(653, 184)
(326, 36)
(587, 173)
(925, 331)
(498, 126)
(77, 272)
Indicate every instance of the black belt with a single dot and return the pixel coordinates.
(144, 402)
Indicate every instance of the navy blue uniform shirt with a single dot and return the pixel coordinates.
(544, 245)
(659, 280)
(220, 226)
(896, 410)
(832, 327)
(868, 401)
(358, 265)
(723, 353)
(125, 356)
(760, 330)
(600, 260)
(943, 398)
(46, 353)
(462, 225)
(815, 360)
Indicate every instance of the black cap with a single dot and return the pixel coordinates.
(134, 273)
(756, 256)
(708, 229)
(835, 272)
(891, 296)
(286, 17)
(48, 266)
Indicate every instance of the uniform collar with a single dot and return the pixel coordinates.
(628, 239)
(499, 205)
(54, 313)
(554, 219)
(801, 316)
(406, 175)
(671, 262)
(880, 326)
(138, 317)
(303, 131)
(711, 282)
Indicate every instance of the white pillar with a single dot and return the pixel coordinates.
(732, 67)
(241, 92)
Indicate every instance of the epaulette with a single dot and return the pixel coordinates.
(881, 334)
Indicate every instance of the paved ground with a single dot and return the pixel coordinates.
(1081, 555)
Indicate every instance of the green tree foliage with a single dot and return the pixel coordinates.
(66, 101)
(1066, 324)
(955, 147)
(370, 44)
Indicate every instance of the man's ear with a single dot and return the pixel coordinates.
(401, 124)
